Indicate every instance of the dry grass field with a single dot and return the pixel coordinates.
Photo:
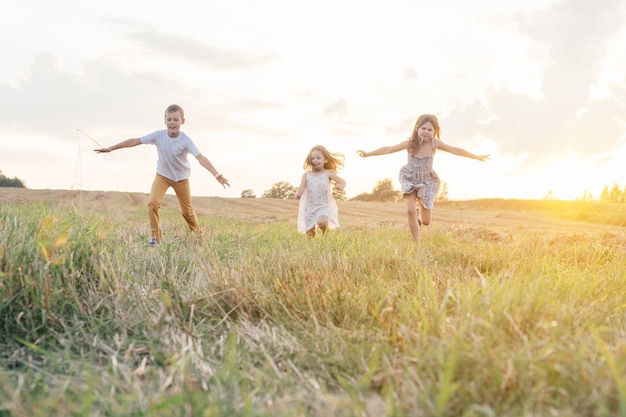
(500, 215)
(509, 308)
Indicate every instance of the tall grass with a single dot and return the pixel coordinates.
(251, 319)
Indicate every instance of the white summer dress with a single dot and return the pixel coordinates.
(317, 200)
(419, 176)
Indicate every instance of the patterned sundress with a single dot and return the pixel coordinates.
(419, 176)
(317, 200)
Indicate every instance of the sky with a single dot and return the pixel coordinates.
(537, 84)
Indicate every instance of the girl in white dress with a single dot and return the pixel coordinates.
(317, 204)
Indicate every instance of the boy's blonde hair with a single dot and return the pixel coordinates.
(172, 108)
(334, 161)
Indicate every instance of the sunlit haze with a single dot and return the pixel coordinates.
(539, 85)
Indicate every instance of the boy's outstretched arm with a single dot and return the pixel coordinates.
(128, 143)
(204, 161)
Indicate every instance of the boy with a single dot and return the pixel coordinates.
(173, 169)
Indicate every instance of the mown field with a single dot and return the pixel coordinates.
(509, 308)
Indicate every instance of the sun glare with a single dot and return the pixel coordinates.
(573, 176)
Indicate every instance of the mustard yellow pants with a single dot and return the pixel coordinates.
(183, 194)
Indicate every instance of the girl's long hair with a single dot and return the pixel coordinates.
(334, 160)
(416, 142)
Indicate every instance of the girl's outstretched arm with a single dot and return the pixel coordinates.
(302, 186)
(459, 151)
(128, 143)
(384, 150)
(340, 183)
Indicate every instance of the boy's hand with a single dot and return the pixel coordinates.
(223, 181)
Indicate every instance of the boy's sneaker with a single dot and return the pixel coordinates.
(153, 242)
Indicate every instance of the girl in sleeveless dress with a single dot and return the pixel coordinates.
(317, 204)
(418, 179)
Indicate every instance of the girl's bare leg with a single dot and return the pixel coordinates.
(411, 210)
(425, 215)
(310, 233)
(322, 223)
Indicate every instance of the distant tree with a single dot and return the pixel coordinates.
(615, 195)
(11, 182)
(248, 194)
(282, 190)
(549, 196)
(442, 194)
(605, 196)
(587, 196)
(383, 192)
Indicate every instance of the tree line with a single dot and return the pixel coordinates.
(384, 191)
(11, 182)
(614, 194)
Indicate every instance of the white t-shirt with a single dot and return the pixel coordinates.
(172, 162)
